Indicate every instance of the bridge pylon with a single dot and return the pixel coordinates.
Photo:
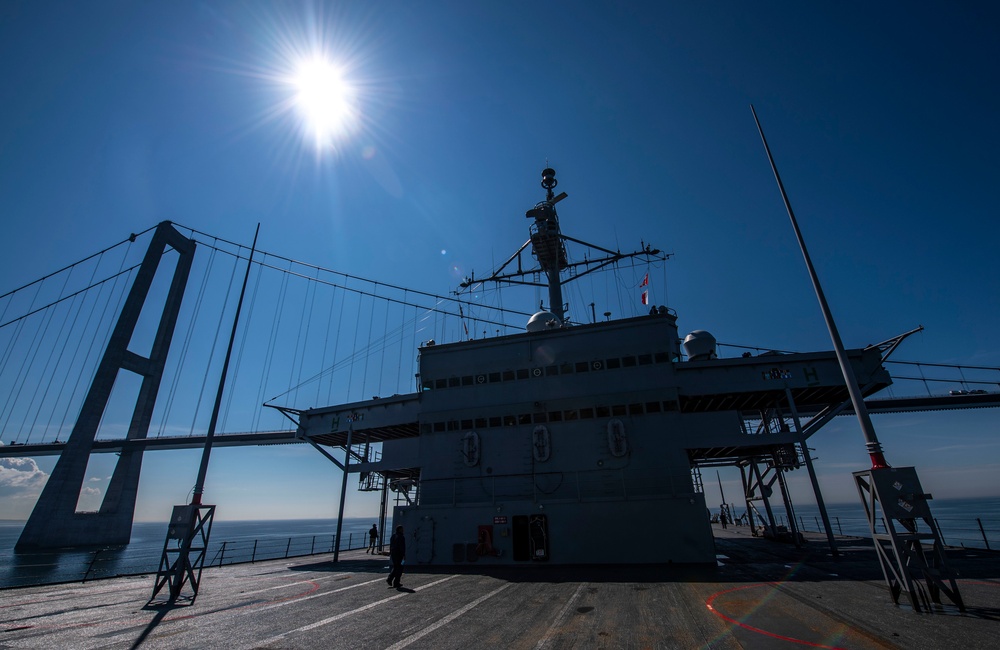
(54, 522)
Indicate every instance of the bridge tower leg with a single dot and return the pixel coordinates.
(54, 522)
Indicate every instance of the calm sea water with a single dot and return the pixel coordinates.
(230, 541)
(238, 541)
(956, 518)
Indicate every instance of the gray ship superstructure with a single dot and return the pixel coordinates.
(570, 443)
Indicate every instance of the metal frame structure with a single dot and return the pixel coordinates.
(181, 565)
(894, 496)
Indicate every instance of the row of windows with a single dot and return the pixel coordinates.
(588, 413)
(549, 371)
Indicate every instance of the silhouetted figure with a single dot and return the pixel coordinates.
(372, 539)
(397, 551)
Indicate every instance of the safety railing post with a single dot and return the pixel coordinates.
(985, 541)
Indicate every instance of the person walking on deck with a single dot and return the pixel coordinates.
(372, 539)
(397, 551)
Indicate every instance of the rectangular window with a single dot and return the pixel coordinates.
(466, 424)
(440, 383)
(662, 357)
(645, 359)
(652, 407)
(438, 427)
(467, 380)
(552, 370)
(603, 412)
(628, 362)
(453, 382)
(555, 416)
(540, 418)
(566, 369)
(494, 377)
(572, 415)
(586, 413)
(522, 373)
(495, 422)
(508, 375)
(582, 366)
(635, 409)
(480, 423)
(614, 363)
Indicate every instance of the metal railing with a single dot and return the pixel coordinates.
(50, 567)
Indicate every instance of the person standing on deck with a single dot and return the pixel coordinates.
(372, 539)
(397, 551)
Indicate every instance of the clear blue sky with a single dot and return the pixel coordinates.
(882, 120)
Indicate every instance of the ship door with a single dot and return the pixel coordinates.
(530, 538)
(538, 535)
(521, 551)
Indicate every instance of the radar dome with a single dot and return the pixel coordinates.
(541, 321)
(699, 345)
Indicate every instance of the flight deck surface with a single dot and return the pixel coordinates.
(762, 594)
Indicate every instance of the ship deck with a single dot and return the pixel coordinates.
(762, 594)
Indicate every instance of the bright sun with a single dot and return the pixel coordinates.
(323, 99)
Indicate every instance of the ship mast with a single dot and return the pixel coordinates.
(547, 243)
(548, 246)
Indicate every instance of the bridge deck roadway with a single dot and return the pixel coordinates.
(762, 595)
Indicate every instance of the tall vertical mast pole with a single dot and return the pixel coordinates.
(546, 241)
(872, 444)
(199, 486)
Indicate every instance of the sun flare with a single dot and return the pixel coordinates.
(323, 99)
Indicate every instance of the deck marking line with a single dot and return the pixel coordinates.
(560, 618)
(332, 619)
(289, 601)
(444, 621)
(287, 584)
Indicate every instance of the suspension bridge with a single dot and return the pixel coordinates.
(116, 353)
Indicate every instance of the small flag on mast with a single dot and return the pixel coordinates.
(645, 280)
(645, 297)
